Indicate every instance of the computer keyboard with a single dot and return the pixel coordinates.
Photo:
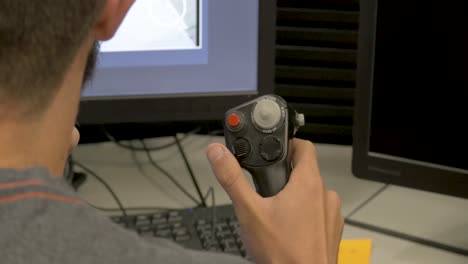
(192, 228)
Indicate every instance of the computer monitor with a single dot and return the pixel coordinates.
(182, 60)
(411, 105)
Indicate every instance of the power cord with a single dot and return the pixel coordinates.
(210, 191)
(142, 170)
(106, 185)
(156, 148)
(152, 209)
(120, 208)
(396, 234)
(213, 209)
(69, 169)
(167, 174)
(190, 170)
(148, 151)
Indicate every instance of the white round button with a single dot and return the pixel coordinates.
(267, 114)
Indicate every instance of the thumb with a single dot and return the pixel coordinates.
(229, 174)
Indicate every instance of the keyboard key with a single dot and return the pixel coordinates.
(234, 225)
(204, 228)
(164, 233)
(146, 231)
(185, 237)
(180, 232)
(222, 226)
(142, 218)
(177, 225)
(210, 244)
(201, 222)
(227, 243)
(163, 226)
(175, 219)
(208, 237)
(145, 222)
(174, 214)
(224, 235)
(206, 234)
(159, 216)
(158, 221)
(229, 246)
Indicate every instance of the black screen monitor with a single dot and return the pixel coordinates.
(182, 60)
(412, 100)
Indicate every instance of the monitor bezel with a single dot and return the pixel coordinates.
(191, 107)
(381, 169)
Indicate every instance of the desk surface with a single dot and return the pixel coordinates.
(428, 215)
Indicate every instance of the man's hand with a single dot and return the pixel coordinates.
(301, 224)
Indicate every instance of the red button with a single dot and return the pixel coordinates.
(234, 120)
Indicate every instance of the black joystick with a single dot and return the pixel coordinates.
(258, 134)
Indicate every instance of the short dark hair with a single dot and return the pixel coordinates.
(38, 41)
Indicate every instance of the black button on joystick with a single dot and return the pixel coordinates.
(271, 148)
(241, 148)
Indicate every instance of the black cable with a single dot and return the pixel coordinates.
(407, 237)
(167, 174)
(367, 201)
(107, 186)
(213, 209)
(69, 170)
(127, 209)
(190, 170)
(216, 133)
(156, 148)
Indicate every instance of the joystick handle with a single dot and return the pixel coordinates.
(270, 180)
(258, 133)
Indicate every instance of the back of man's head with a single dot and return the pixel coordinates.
(38, 41)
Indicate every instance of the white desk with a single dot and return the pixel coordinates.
(427, 215)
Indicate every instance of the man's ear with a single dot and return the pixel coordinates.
(112, 15)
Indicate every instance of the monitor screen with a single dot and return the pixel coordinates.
(171, 48)
(411, 95)
(420, 88)
(182, 61)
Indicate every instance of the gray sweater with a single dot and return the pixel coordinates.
(43, 221)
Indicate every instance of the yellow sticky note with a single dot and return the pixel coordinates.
(355, 251)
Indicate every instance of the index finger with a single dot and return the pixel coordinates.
(304, 157)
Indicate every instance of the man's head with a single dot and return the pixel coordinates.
(39, 40)
(47, 49)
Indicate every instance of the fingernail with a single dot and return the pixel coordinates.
(215, 153)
